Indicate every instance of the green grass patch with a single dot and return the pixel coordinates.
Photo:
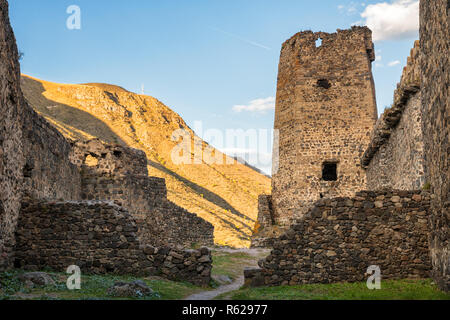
(93, 287)
(409, 289)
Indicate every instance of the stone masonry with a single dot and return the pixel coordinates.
(264, 227)
(325, 110)
(340, 238)
(48, 172)
(34, 155)
(265, 218)
(395, 156)
(11, 148)
(99, 237)
(434, 45)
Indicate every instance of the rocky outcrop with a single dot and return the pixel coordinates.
(133, 289)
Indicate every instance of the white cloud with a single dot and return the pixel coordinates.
(258, 105)
(393, 63)
(398, 19)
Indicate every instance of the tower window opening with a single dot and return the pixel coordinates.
(323, 83)
(329, 171)
(28, 170)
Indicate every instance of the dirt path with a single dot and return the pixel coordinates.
(253, 256)
(209, 295)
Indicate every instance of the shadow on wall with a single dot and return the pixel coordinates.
(208, 195)
(66, 116)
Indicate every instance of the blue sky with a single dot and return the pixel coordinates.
(205, 59)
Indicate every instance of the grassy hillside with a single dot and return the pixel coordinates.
(225, 195)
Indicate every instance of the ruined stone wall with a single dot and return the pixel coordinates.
(169, 224)
(325, 110)
(108, 159)
(263, 232)
(341, 237)
(11, 155)
(395, 156)
(99, 237)
(265, 212)
(33, 155)
(434, 45)
(120, 174)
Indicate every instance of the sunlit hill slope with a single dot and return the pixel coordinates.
(225, 195)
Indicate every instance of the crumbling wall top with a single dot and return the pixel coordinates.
(308, 38)
(106, 158)
(408, 86)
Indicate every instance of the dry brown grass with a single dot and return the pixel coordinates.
(225, 195)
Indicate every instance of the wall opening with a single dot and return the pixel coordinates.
(91, 161)
(323, 83)
(329, 171)
(318, 42)
(27, 170)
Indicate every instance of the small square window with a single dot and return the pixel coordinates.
(329, 171)
(323, 83)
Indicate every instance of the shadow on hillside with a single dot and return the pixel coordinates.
(241, 234)
(208, 195)
(68, 117)
(73, 119)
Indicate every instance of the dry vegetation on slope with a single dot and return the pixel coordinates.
(225, 195)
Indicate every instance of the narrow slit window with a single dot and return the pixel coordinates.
(324, 83)
(329, 171)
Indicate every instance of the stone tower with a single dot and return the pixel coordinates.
(325, 111)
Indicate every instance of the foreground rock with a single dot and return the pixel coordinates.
(133, 289)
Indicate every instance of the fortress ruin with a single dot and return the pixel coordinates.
(81, 202)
